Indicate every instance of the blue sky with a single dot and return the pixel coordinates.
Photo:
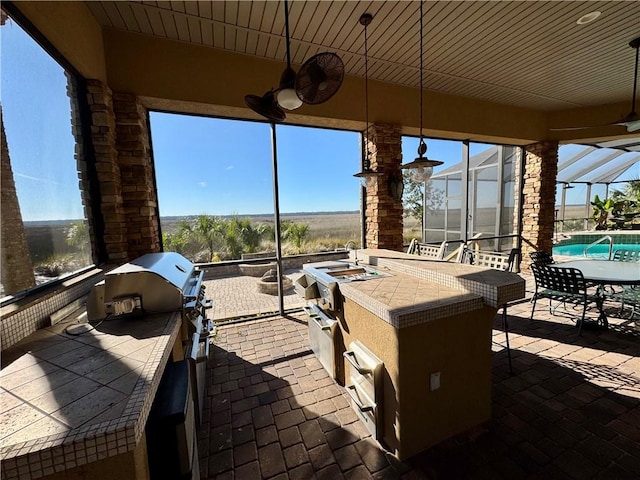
(203, 165)
(226, 168)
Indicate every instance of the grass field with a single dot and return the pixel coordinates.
(327, 230)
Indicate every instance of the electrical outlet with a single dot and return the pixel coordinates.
(123, 305)
(434, 381)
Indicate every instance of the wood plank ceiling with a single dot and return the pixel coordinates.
(529, 54)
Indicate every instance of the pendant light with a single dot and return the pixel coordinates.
(367, 176)
(287, 97)
(422, 167)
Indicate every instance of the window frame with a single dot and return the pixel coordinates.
(94, 213)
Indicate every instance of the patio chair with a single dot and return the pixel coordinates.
(625, 255)
(497, 261)
(541, 257)
(566, 285)
(628, 295)
(427, 250)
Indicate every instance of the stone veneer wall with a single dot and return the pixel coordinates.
(125, 174)
(137, 175)
(540, 172)
(103, 136)
(383, 228)
(80, 155)
(17, 270)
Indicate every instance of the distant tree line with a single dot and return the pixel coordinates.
(209, 238)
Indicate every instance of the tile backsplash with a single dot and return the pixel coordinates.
(18, 323)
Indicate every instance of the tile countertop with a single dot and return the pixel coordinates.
(69, 400)
(421, 290)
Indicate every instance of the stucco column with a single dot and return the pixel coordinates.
(17, 270)
(383, 213)
(539, 198)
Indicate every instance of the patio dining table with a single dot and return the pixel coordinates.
(605, 273)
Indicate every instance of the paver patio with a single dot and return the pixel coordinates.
(570, 410)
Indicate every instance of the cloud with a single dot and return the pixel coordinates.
(202, 184)
(36, 179)
(230, 167)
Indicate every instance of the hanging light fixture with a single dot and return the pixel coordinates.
(286, 95)
(422, 167)
(367, 176)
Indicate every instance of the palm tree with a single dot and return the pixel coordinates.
(295, 232)
(207, 230)
(252, 235)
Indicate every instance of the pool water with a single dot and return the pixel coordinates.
(597, 251)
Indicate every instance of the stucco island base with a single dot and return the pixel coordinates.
(458, 346)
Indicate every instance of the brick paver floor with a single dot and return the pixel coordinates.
(571, 409)
(238, 296)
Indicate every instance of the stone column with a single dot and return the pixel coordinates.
(383, 213)
(539, 198)
(103, 136)
(79, 131)
(17, 269)
(137, 175)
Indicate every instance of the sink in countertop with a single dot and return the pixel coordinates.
(343, 272)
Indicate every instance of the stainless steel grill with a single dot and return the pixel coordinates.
(158, 283)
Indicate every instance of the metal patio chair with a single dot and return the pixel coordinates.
(541, 257)
(565, 285)
(427, 250)
(497, 261)
(625, 255)
(628, 295)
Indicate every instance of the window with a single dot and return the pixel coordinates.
(452, 212)
(42, 211)
(215, 187)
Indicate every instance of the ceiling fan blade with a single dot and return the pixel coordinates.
(265, 106)
(631, 121)
(562, 129)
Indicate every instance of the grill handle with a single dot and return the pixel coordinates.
(195, 344)
(351, 389)
(351, 358)
(315, 315)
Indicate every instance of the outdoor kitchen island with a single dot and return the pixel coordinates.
(77, 406)
(429, 323)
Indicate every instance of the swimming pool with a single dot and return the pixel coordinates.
(597, 251)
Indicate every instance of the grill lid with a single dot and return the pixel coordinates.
(171, 266)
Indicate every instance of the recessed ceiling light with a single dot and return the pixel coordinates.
(588, 18)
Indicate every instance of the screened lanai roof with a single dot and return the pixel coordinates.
(597, 164)
(603, 163)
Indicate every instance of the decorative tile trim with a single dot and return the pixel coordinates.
(479, 286)
(415, 314)
(631, 236)
(88, 443)
(17, 324)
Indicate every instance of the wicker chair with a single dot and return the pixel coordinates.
(565, 285)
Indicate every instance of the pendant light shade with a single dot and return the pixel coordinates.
(421, 167)
(367, 176)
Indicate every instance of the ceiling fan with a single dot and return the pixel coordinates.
(631, 120)
(317, 81)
